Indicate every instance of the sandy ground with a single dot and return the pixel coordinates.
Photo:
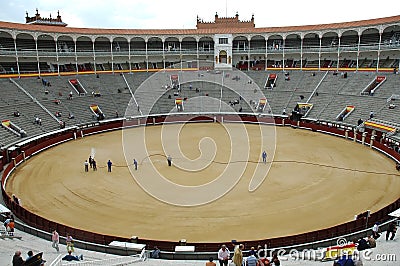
(314, 181)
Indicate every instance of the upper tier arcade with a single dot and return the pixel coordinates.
(368, 44)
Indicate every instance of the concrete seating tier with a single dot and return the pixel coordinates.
(334, 93)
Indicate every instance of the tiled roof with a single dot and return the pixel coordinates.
(98, 31)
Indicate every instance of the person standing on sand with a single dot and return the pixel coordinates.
(86, 166)
(109, 164)
(264, 156)
(169, 160)
(94, 164)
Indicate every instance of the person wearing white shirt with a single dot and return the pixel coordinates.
(375, 231)
(223, 256)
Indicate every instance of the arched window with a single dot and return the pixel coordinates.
(223, 57)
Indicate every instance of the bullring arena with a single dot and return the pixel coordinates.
(311, 174)
(321, 101)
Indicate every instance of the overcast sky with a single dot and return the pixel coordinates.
(181, 14)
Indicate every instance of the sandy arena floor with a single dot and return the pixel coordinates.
(315, 181)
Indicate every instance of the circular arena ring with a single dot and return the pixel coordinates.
(218, 188)
(316, 187)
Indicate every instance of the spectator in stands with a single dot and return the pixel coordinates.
(100, 117)
(362, 244)
(360, 121)
(22, 133)
(345, 260)
(35, 260)
(371, 114)
(17, 259)
(211, 262)
(116, 114)
(70, 96)
(223, 256)
(17, 114)
(238, 255)
(275, 260)
(253, 251)
(109, 165)
(155, 254)
(371, 242)
(6, 222)
(251, 260)
(71, 116)
(70, 257)
(264, 262)
(260, 253)
(29, 255)
(391, 230)
(55, 238)
(376, 231)
(10, 227)
(70, 243)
